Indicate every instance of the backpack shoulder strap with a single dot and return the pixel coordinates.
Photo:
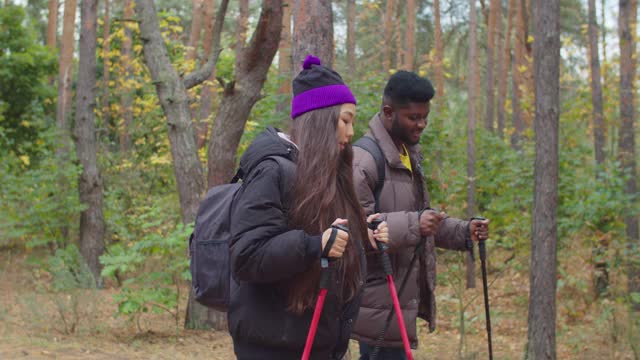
(287, 168)
(236, 177)
(371, 146)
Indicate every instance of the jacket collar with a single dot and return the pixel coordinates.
(389, 149)
(269, 142)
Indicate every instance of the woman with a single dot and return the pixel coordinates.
(281, 225)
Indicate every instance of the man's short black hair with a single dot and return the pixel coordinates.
(406, 87)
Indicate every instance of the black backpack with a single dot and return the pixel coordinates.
(371, 146)
(209, 242)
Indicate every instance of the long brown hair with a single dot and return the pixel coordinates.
(323, 191)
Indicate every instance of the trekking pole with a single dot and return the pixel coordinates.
(325, 280)
(482, 249)
(388, 270)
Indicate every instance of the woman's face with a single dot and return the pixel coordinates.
(345, 124)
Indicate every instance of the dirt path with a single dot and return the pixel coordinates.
(31, 327)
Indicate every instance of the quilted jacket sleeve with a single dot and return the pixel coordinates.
(263, 248)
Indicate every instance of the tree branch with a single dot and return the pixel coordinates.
(202, 74)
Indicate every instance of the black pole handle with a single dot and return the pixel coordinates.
(482, 249)
(325, 270)
(382, 247)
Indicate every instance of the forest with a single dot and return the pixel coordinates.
(116, 116)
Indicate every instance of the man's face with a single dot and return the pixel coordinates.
(408, 121)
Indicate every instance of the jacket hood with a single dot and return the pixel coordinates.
(267, 143)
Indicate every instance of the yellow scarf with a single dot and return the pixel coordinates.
(404, 157)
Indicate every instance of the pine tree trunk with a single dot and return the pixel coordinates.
(388, 35)
(65, 69)
(409, 39)
(351, 35)
(242, 23)
(599, 129)
(207, 91)
(126, 92)
(543, 275)
(603, 32)
(284, 59)
(312, 32)
(106, 62)
(627, 21)
(471, 128)
(197, 7)
(398, 40)
(517, 74)
(52, 25)
(52, 30)
(439, 51)
(494, 20)
(503, 70)
(92, 226)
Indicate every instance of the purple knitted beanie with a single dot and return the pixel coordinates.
(318, 87)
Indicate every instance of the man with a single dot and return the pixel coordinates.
(404, 204)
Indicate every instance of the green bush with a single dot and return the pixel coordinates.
(39, 202)
(155, 266)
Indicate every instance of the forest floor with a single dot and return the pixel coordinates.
(31, 326)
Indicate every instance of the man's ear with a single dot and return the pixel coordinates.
(387, 110)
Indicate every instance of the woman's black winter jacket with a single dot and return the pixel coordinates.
(265, 254)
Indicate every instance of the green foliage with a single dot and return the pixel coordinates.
(69, 270)
(34, 209)
(155, 265)
(25, 97)
(368, 92)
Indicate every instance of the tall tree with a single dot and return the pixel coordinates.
(172, 92)
(126, 92)
(243, 23)
(603, 31)
(543, 279)
(90, 183)
(351, 34)
(52, 29)
(387, 51)
(519, 65)
(106, 61)
(471, 127)
(503, 69)
(312, 32)
(211, 46)
(398, 37)
(197, 7)
(252, 64)
(627, 22)
(65, 69)
(596, 87)
(439, 50)
(52, 25)
(409, 35)
(284, 58)
(495, 9)
(197, 315)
